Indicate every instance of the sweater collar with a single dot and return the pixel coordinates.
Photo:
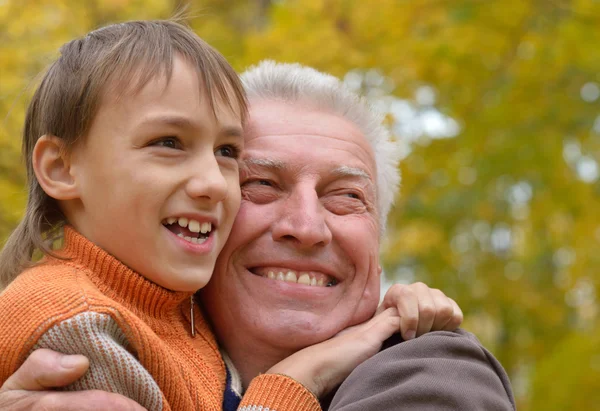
(116, 280)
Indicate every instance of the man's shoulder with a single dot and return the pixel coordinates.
(431, 342)
(440, 370)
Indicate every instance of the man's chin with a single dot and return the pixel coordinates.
(296, 329)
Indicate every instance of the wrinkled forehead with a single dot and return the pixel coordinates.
(280, 127)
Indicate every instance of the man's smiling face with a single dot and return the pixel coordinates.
(301, 263)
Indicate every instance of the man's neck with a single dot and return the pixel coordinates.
(250, 360)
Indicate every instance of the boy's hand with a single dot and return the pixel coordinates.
(422, 309)
(323, 366)
(29, 387)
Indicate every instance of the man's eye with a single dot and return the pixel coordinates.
(258, 182)
(228, 151)
(168, 142)
(352, 195)
(264, 183)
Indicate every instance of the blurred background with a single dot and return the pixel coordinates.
(497, 107)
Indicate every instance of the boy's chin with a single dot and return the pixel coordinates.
(184, 284)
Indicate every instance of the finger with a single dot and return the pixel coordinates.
(407, 304)
(93, 400)
(444, 309)
(392, 296)
(405, 299)
(46, 369)
(426, 309)
(457, 317)
(382, 326)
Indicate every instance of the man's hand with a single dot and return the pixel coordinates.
(28, 388)
(422, 309)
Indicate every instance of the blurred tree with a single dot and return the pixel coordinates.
(497, 105)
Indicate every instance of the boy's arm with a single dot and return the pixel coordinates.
(29, 388)
(112, 367)
(439, 371)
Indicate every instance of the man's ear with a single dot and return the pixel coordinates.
(52, 168)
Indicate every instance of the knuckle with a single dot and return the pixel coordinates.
(445, 311)
(420, 284)
(427, 311)
(455, 321)
(404, 292)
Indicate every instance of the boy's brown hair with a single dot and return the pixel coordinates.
(118, 58)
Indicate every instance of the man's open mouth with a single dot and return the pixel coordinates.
(192, 231)
(310, 278)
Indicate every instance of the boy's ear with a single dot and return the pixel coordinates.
(52, 168)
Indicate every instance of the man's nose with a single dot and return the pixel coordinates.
(206, 179)
(302, 220)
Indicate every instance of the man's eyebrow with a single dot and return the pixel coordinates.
(265, 162)
(346, 171)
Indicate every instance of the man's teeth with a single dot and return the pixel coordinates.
(299, 278)
(192, 225)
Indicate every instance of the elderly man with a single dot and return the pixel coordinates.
(301, 265)
(318, 180)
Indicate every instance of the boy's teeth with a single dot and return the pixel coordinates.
(192, 240)
(194, 226)
(290, 277)
(304, 279)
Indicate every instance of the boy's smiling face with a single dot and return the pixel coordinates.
(158, 181)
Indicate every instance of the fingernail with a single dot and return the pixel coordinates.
(409, 335)
(71, 361)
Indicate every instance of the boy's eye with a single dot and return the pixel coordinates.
(228, 151)
(168, 142)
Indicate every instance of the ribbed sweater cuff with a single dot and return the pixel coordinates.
(278, 392)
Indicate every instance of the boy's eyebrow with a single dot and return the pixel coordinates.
(231, 131)
(183, 122)
(176, 121)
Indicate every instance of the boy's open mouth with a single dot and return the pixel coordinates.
(190, 230)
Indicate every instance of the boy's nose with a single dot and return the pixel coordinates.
(207, 180)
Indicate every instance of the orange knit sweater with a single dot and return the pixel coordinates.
(136, 334)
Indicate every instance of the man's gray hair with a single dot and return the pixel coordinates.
(296, 83)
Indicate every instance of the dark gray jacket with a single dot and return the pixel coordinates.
(439, 371)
